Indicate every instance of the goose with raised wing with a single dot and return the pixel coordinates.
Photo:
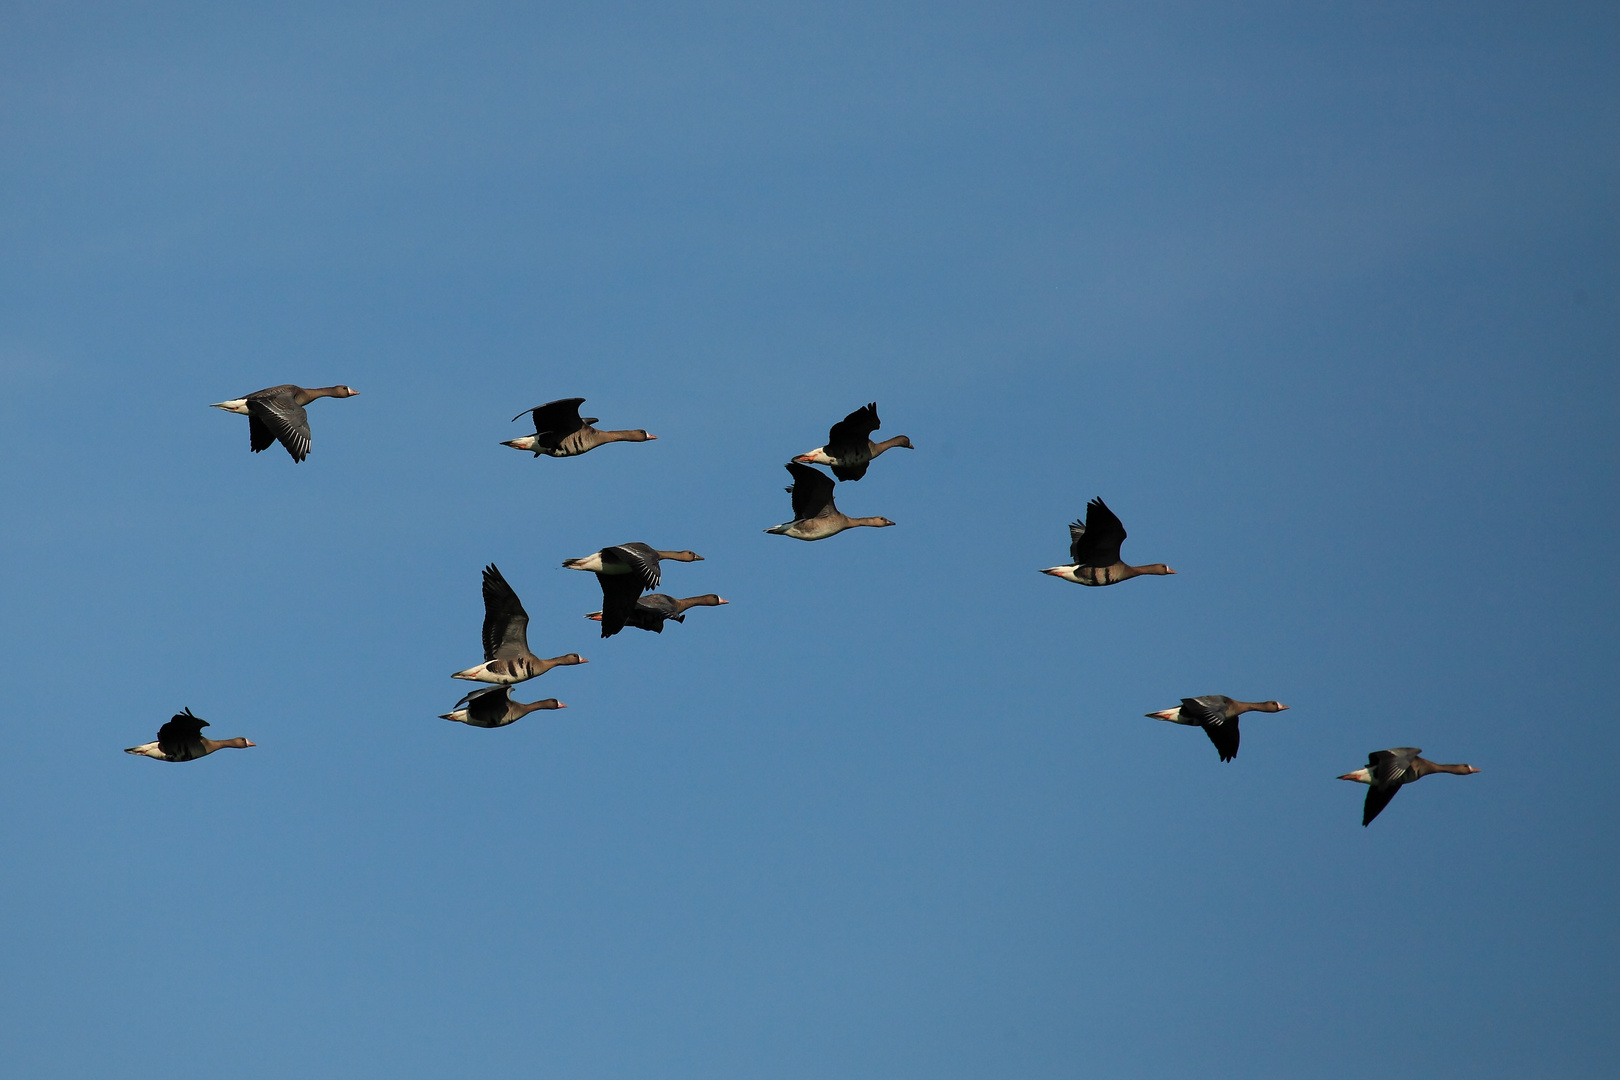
(1218, 715)
(507, 658)
(277, 413)
(654, 609)
(815, 515)
(1387, 771)
(1094, 551)
(625, 571)
(181, 739)
(850, 448)
(559, 431)
(493, 707)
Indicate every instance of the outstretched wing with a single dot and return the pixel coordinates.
(619, 593)
(1390, 767)
(1224, 734)
(812, 492)
(280, 416)
(506, 624)
(850, 435)
(487, 707)
(178, 738)
(642, 560)
(1377, 799)
(556, 420)
(1097, 542)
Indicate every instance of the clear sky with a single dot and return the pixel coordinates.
(1322, 299)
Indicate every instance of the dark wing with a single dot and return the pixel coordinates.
(1390, 767)
(1209, 709)
(619, 593)
(851, 472)
(506, 624)
(640, 558)
(487, 707)
(1224, 735)
(1077, 541)
(812, 492)
(850, 435)
(556, 420)
(1377, 799)
(260, 437)
(282, 417)
(179, 738)
(1097, 544)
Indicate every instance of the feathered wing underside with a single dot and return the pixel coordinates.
(1097, 542)
(279, 416)
(180, 739)
(487, 707)
(556, 420)
(619, 594)
(642, 559)
(1390, 769)
(506, 624)
(1225, 737)
(1209, 709)
(849, 437)
(812, 492)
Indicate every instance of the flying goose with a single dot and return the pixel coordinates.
(850, 448)
(181, 739)
(625, 572)
(1094, 547)
(559, 431)
(653, 609)
(277, 412)
(493, 707)
(507, 658)
(815, 516)
(1218, 715)
(1387, 770)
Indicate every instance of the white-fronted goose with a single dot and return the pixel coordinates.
(507, 658)
(181, 739)
(850, 448)
(653, 609)
(1218, 715)
(277, 412)
(559, 431)
(625, 572)
(815, 515)
(1388, 770)
(1094, 549)
(493, 707)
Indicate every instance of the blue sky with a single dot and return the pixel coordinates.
(1323, 302)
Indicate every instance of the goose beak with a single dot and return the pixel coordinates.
(652, 438)
(250, 742)
(1168, 570)
(723, 600)
(562, 704)
(1281, 707)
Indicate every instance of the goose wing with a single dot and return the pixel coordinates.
(487, 707)
(179, 738)
(506, 624)
(275, 413)
(812, 492)
(641, 559)
(619, 593)
(555, 420)
(1390, 770)
(850, 440)
(1097, 542)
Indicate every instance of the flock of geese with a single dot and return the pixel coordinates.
(627, 572)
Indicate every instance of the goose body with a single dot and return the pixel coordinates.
(493, 707)
(1387, 771)
(181, 739)
(1094, 551)
(559, 431)
(1218, 715)
(507, 658)
(653, 610)
(850, 448)
(276, 413)
(625, 572)
(815, 515)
